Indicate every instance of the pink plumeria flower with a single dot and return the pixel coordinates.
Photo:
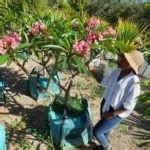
(16, 36)
(91, 38)
(2, 50)
(93, 22)
(111, 31)
(81, 47)
(105, 33)
(13, 44)
(78, 48)
(37, 28)
(11, 40)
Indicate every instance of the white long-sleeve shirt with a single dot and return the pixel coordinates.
(120, 93)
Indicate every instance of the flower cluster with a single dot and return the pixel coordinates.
(37, 28)
(110, 31)
(93, 22)
(93, 36)
(100, 36)
(81, 47)
(9, 41)
(12, 40)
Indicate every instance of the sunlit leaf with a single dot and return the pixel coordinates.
(3, 59)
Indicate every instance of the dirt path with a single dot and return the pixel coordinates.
(27, 120)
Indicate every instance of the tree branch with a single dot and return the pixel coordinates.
(20, 66)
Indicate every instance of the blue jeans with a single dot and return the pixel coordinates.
(103, 127)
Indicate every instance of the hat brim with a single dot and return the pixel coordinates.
(132, 63)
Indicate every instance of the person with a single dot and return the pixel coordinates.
(121, 91)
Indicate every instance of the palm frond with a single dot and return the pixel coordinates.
(127, 35)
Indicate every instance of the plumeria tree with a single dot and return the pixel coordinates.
(73, 41)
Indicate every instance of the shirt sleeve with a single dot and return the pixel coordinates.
(131, 99)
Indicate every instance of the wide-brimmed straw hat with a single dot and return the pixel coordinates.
(135, 59)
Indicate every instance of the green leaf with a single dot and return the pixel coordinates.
(80, 64)
(62, 43)
(146, 113)
(9, 61)
(3, 59)
(55, 47)
(24, 45)
(127, 35)
(67, 43)
(144, 98)
(76, 39)
(64, 63)
(26, 37)
(21, 56)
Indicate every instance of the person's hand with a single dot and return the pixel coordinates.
(90, 66)
(108, 115)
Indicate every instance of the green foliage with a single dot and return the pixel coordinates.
(3, 59)
(144, 100)
(83, 84)
(79, 5)
(75, 106)
(96, 91)
(112, 63)
(59, 33)
(11, 17)
(90, 88)
(145, 83)
(24, 144)
(111, 11)
(59, 39)
(43, 137)
(128, 35)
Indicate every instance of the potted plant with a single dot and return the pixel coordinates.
(69, 115)
(41, 84)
